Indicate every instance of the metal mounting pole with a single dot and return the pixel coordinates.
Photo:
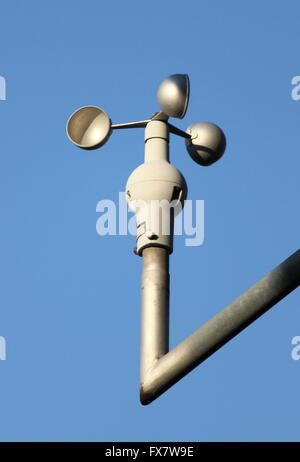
(220, 328)
(154, 307)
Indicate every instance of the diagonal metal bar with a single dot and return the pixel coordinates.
(157, 375)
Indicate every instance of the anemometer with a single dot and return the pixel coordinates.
(159, 183)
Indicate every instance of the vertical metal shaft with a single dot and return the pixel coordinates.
(156, 141)
(154, 306)
(155, 273)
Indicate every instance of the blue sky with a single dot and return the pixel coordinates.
(70, 298)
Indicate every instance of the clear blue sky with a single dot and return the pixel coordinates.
(69, 298)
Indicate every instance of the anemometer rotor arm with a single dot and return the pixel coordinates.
(139, 124)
